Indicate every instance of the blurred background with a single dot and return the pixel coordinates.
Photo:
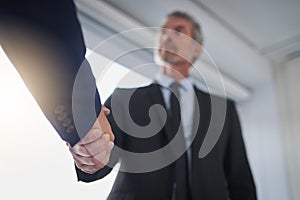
(255, 45)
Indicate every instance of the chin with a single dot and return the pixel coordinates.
(168, 58)
(172, 60)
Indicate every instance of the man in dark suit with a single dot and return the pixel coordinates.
(43, 40)
(159, 151)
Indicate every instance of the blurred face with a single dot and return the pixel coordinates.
(176, 45)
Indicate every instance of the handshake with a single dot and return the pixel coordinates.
(92, 152)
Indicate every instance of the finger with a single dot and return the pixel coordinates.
(79, 150)
(93, 160)
(92, 149)
(97, 146)
(102, 157)
(83, 160)
(92, 135)
(104, 125)
(91, 169)
(79, 165)
(110, 146)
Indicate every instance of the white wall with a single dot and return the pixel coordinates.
(287, 76)
(35, 163)
(264, 141)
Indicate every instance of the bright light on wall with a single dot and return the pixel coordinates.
(110, 75)
(35, 163)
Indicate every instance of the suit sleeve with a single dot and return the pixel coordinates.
(239, 177)
(44, 41)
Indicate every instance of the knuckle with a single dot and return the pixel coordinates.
(73, 149)
(99, 159)
(87, 161)
(105, 161)
(84, 160)
(99, 166)
(110, 146)
(97, 133)
(90, 136)
(93, 169)
(81, 150)
(79, 165)
(105, 137)
(93, 136)
(87, 169)
(92, 150)
(94, 161)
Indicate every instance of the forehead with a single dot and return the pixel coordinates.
(178, 22)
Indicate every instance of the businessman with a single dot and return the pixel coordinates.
(222, 174)
(43, 40)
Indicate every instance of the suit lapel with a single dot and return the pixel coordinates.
(201, 122)
(155, 94)
(156, 97)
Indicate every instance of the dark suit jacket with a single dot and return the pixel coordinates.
(43, 40)
(224, 173)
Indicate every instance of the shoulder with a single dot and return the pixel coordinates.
(121, 94)
(135, 90)
(215, 99)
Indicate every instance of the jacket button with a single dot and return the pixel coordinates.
(62, 116)
(70, 129)
(59, 109)
(67, 122)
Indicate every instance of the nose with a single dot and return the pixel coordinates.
(166, 35)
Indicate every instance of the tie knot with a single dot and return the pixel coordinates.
(174, 87)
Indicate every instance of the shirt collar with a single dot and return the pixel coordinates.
(166, 81)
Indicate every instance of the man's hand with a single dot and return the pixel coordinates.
(93, 151)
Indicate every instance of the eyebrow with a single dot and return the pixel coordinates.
(177, 28)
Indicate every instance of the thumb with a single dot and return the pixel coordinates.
(103, 124)
(105, 110)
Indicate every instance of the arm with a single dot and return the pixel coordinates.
(43, 40)
(239, 177)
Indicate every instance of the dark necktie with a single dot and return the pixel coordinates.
(181, 187)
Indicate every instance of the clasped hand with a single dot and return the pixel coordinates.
(92, 152)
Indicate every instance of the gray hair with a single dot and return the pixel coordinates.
(197, 32)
